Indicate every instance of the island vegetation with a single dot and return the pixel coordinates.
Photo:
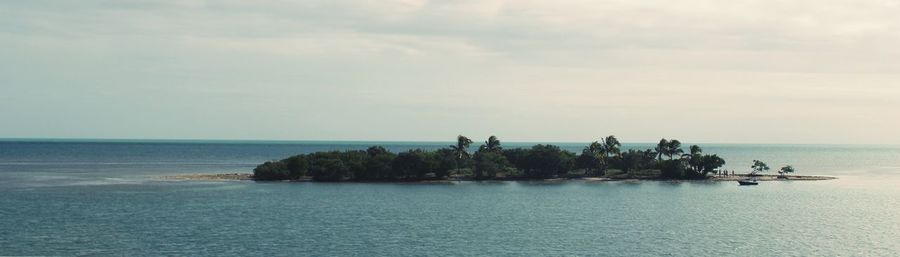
(604, 158)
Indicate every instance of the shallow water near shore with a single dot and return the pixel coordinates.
(87, 198)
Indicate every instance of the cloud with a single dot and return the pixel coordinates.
(619, 65)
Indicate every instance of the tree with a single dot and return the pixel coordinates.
(594, 148)
(489, 163)
(546, 161)
(785, 170)
(328, 166)
(695, 149)
(297, 165)
(518, 157)
(461, 150)
(694, 159)
(590, 159)
(710, 163)
(674, 169)
(633, 160)
(673, 148)
(376, 150)
(492, 145)
(611, 146)
(411, 164)
(271, 170)
(662, 148)
(441, 162)
(378, 164)
(759, 166)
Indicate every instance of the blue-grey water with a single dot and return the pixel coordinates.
(104, 198)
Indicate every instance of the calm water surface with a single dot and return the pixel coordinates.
(102, 198)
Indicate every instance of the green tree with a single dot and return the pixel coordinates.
(662, 148)
(611, 146)
(673, 148)
(634, 160)
(695, 149)
(489, 163)
(700, 165)
(710, 163)
(759, 166)
(546, 161)
(595, 148)
(378, 164)
(441, 162)
(461, 150)
(694, 158)
(590, 163)
(590, 159)
(411, 164)
(492, 145)
(328, 166)
(355, 161)
(271, 170)
(786, 170)
(518, 157)
(376, 150)
(297, 165)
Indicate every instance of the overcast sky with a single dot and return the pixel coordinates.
(798, 71)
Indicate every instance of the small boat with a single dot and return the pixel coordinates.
(748, 182)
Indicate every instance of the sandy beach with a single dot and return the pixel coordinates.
(224, 176)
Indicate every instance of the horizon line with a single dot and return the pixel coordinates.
(219, 140)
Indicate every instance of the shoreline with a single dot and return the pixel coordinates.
(249, 177)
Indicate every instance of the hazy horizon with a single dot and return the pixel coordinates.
(759, 72)
(352, 141)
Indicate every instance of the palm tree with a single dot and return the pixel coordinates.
(594, 150)
(461, 150)
(491, 145)
(695, 149)
(673, 148)
(694, 159)
(662, 148)
(609, 146)
(612, 146)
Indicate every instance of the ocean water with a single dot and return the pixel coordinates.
(69, 198)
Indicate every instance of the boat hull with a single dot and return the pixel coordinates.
(747, 183)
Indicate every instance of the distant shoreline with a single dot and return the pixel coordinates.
(249, 177)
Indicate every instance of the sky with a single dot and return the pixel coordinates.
(813, 72)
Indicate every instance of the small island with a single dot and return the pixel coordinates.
(601, 160)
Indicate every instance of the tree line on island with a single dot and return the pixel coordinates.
(602, 158)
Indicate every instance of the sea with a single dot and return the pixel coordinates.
(108, 198)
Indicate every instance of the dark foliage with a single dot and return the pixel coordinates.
(410, 164)
(633, 160)
(298, 166)
(336, 165)
(541, 161)
(538, 162)
(441, 162)
(592, 164)
(488, 163)
(378, 165)
(272, 170)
